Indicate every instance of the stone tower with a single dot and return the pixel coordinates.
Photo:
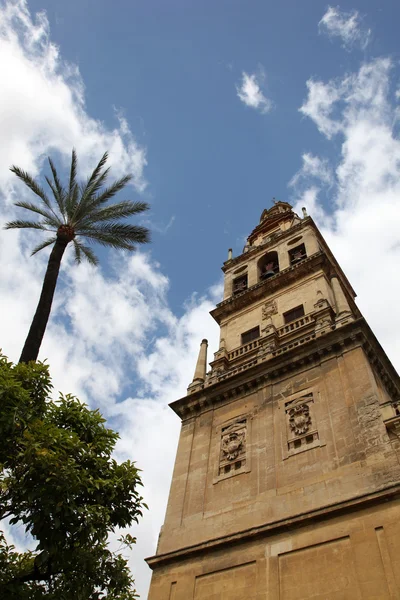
(287, 480)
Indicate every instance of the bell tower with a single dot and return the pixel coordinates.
(287, 476)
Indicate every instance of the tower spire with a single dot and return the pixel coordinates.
(201, 366)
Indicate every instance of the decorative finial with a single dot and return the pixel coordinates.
(230, 254)
(304, 212)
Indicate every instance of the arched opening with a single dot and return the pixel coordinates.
(268, 266)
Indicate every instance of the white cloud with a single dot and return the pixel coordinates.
(313, 167)
(334, 105)
(112, 338)
(42, 107)
(308, 198)
(345, 25)
(320, 104)
(159, 227)
(314, 175)
(364, 214)
(251, 94)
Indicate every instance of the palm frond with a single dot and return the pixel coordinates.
(43, 245)
(109, 240)
(48, 215)
(71, 202)
(74, 169)
(110, 192)
(51, 186)
(92, 187)
(32, 185)
(97, 171)
(87, 193)
(117, 235)
(78, 253)
(58, 192)
(86, 251)
(19, 224)
(121, 210)
(84, 208)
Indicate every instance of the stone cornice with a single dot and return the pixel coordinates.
(311, 350)
(300, 520)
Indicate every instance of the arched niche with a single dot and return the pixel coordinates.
(268, 265)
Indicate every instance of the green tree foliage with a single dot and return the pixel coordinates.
(73, 212)
(59, 480)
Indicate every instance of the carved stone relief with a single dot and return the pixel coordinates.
(301, 425)
(233, 447)
(324, 322)
(269, 309)
(231, 444)
(299, 419)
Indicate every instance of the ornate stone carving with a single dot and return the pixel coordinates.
(268, 329)
(324, 322)
(266, 349)
(321, 303)
(269, 309)
(233, 447)
(300, 419)
(231, 444)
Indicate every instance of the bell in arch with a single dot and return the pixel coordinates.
(268, 270)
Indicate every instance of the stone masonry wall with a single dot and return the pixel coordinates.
(305, 442)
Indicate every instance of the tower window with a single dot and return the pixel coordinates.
(239, 284)
(293, 314)
(268, 265)
(297, 254)
(249, 336)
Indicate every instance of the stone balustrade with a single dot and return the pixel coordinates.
(251, 351)
(244, 349)
(294, 325)
(282, 331)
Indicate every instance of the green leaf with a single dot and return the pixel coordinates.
(67, 491)
(39, 247)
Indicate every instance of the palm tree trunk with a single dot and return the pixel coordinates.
(36, 332)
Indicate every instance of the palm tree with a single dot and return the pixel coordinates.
(77, 211)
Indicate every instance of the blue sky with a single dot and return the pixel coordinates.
(215, 107)
(172, 67)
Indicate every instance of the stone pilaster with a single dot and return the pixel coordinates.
(343, 311)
